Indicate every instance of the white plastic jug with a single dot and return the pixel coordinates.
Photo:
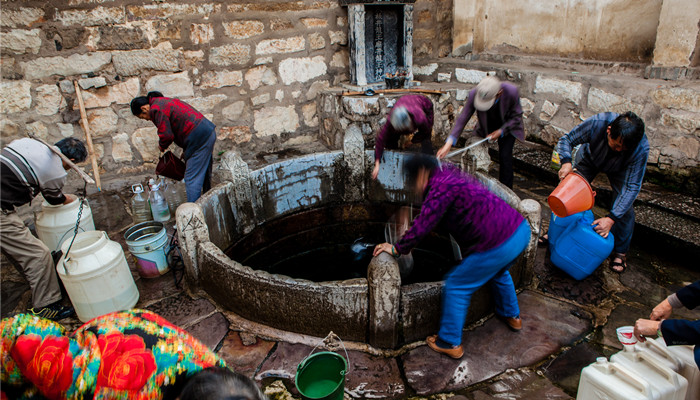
(55, 224)
(665, 357)
(612, 381)
(669, 384)
(96, 276)
(689, 369)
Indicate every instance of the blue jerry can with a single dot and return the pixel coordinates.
(557, 225)
(580, 250)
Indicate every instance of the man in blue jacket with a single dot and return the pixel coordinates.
(616, 145)
(674, 331)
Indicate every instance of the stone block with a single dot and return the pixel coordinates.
(8, 129)
(92, 16)
(309, 113)
(48, 100)
(243, 29)
(677, 98)
(39, 130)
(172, 85)
(427, 69)
(527, 105)
(260, 75)
(22, 17)
(341, 21)
(688, 146)
(271, 121)
(87, 83)
(281, 7)
(15, 96)
(206, 104)
(683, 121)
(384, 282)
(340, 59)
(201, 33)
(338, 37)
(121, 93)
(161, 58)
(548, 110)
(301, 69)
(444, 76)
(167, 11)
(219, 79)
(75, 64)
(551, 134)
(317, 41)
(469, 75)
(277, 46)
(234, 111)
(235, 53)
(279, 95)
(277, 25)
(65, 130)
(568, 90)
(121, 150)
(462, 94)
(237, 134)
(122, 38)
(361, 105)
(316, 88)
(102, 121)
(20, 41)
(601, 101)
(313, 23)
(66, 86)
(145, 140)
(260, 99)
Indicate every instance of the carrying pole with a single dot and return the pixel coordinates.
(65, 159)
(88, 136)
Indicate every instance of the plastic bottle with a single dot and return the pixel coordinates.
(159, 205)
(140, 208)
(175, 193)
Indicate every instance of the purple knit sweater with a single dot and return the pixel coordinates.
(477, 219)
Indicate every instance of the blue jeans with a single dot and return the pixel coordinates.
(198, 169)
(623, 228)
(475, 271)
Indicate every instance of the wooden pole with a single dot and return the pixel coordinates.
(65, 159)
(395, 91)
(88, 137)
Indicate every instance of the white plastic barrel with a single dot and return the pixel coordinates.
(669, 384)
(612, 381)
(96, 276)
(689, 369)
(55, 224)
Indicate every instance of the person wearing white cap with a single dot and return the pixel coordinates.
(497, 107)
(412, 115)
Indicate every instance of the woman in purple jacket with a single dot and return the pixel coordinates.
(484, 226)
(497, 106)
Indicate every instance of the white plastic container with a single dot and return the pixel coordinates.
(661, 353)
(55, 224)
(96, 276)
(612, 381)
(667, 383)
(689, 369)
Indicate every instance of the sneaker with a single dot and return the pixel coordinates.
(53, 311)
(515, 324)
(454, 352)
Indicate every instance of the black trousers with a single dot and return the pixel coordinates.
(505, 159)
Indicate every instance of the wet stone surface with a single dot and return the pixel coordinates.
(373, 377)
(565, 369)
(554, 281)
(520, 385)
(181, 310)
(211, 330)
(244, 359)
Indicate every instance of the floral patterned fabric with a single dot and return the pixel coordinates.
(132, 354)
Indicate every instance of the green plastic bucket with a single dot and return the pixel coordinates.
(322, 376)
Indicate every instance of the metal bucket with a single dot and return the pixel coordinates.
(148, 241)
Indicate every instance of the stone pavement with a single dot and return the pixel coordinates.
(567, 324)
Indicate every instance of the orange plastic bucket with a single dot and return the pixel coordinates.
(573, 195)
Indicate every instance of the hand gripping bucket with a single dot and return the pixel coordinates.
(148, 241)
(322, 375)
(573, 195)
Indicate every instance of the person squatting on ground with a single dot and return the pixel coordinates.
(27, 168)
(486, 227)
(616, 145)
(132, 354)
(497, 107)
(673, 331)
(179, 122)
(411, 115)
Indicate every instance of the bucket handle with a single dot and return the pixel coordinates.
(331, 335)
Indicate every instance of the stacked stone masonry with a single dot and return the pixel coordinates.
(258, 71)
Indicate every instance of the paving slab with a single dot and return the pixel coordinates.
(622, 315)
(548, 324)
(553, 280)
(12, 294)
(521, 385)
(282, 364)
(181, 310)
(244, 359)
(155, 289)
(373, 377)
(565, 369)
(211, 330)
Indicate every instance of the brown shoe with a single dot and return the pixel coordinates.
(455, 352)
(515, 324)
